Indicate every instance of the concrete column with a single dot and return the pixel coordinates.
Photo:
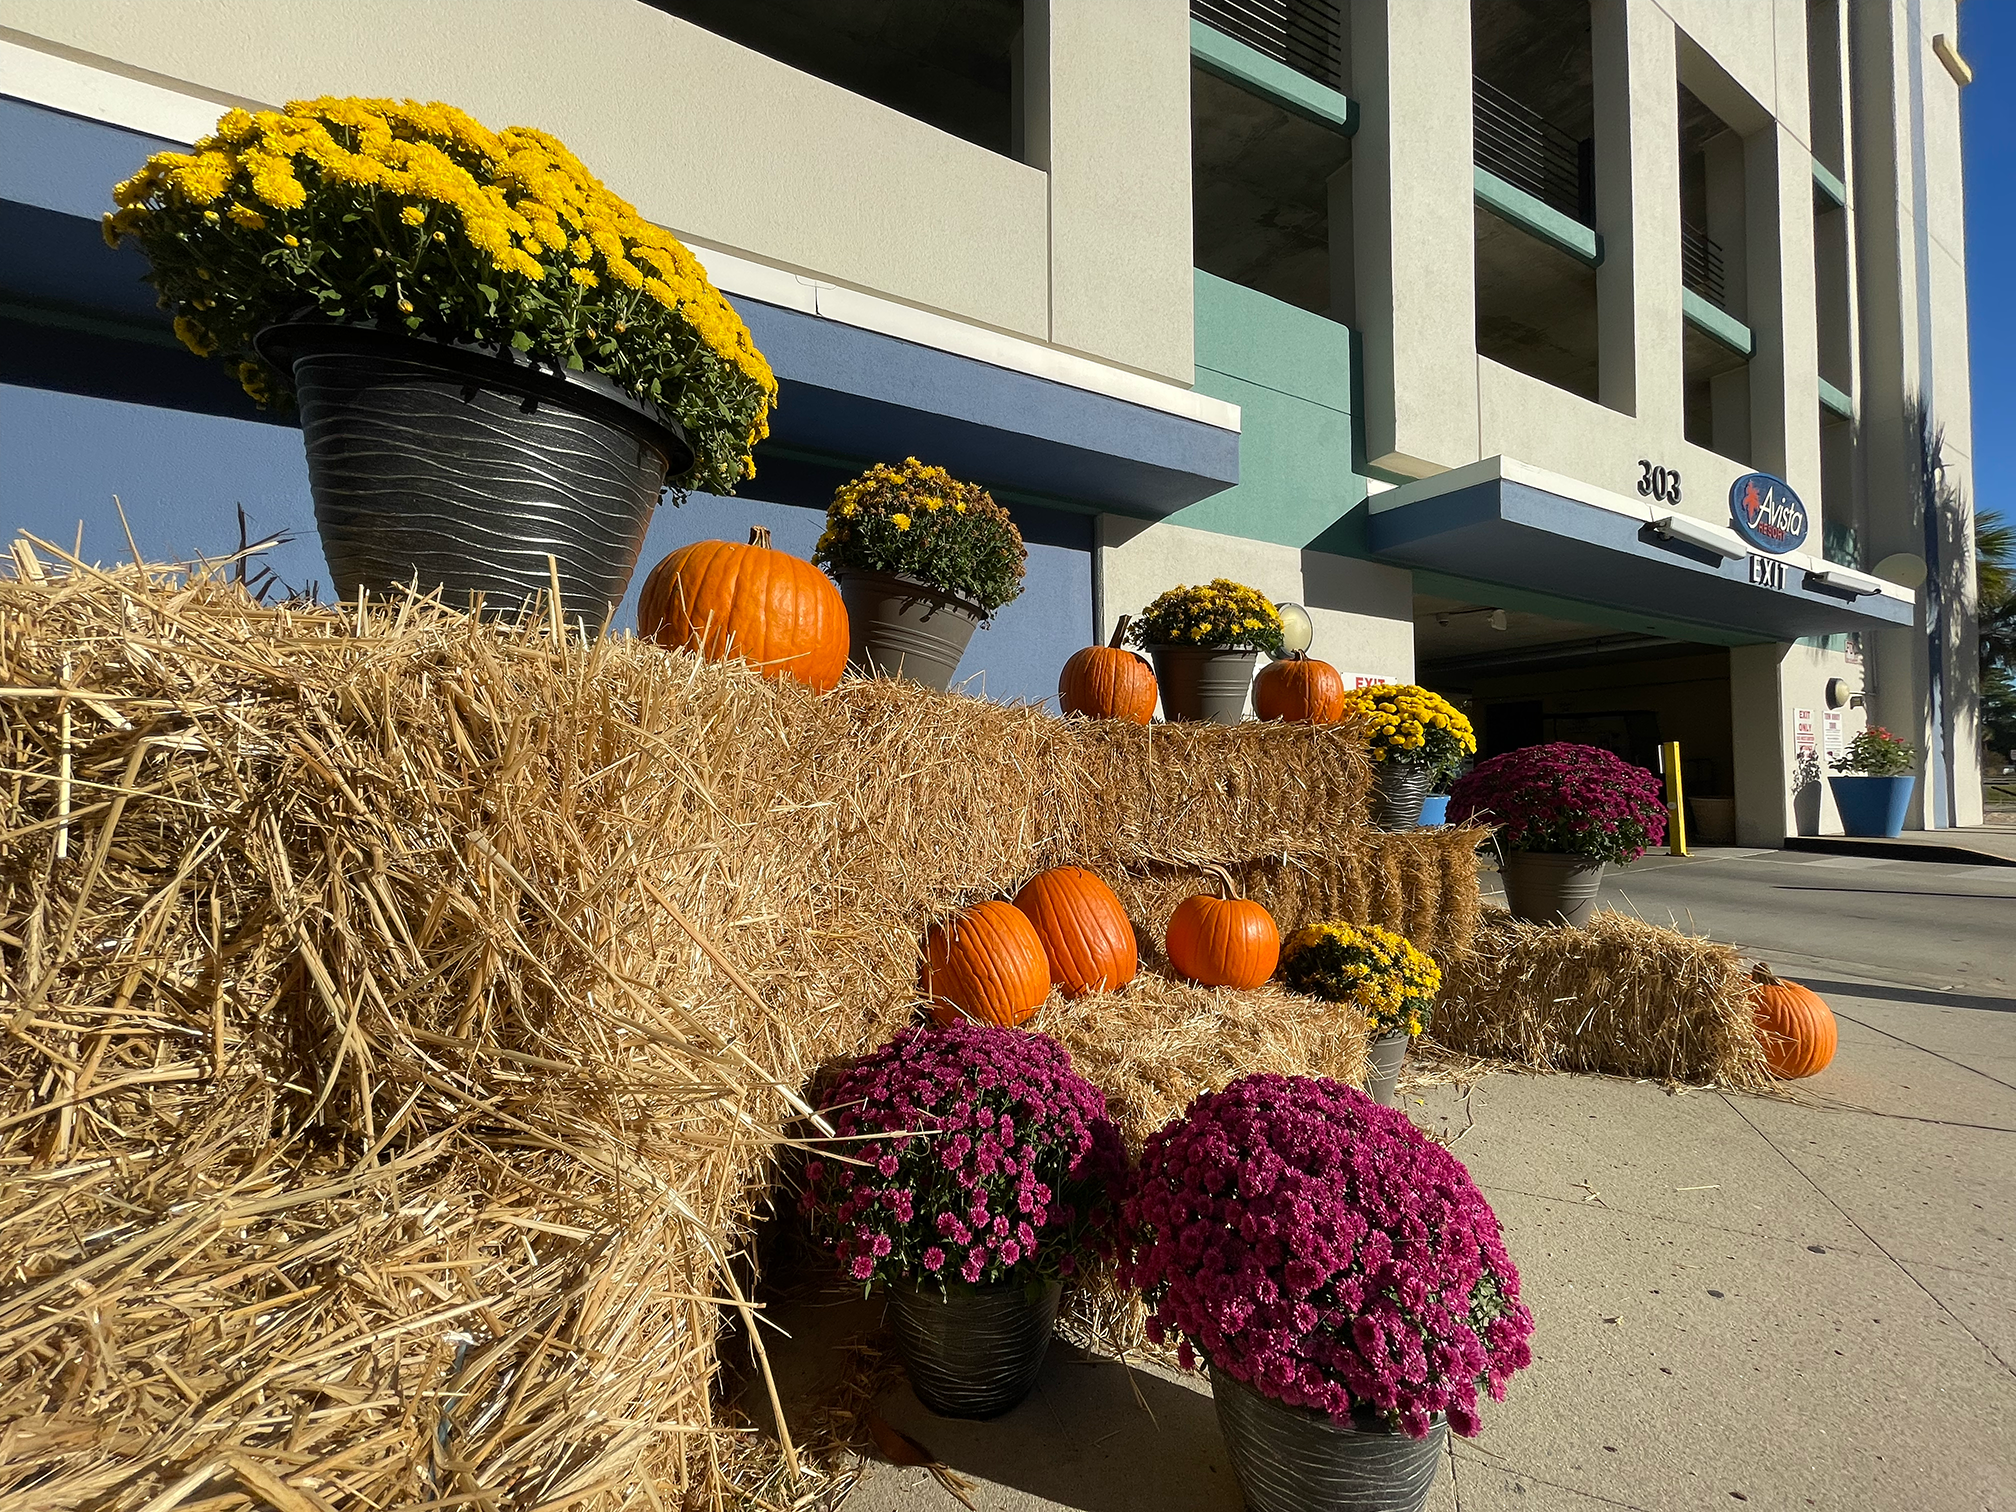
(1638, 213)
(1761, 722)
(1785, 370)
(1413, 225)
(1106, 113)
(1343, 250)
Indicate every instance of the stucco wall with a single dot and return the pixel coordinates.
(721, 144)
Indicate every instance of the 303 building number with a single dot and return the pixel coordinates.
(1661, 483)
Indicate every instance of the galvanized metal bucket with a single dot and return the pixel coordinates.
(898, 626)
(1203, 683)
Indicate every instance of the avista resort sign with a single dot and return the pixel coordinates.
(1766, 513)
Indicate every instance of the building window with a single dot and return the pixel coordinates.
(950, 64)
(1715, 375)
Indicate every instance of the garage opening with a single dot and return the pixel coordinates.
(1525, 678)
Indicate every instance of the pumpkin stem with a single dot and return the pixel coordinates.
(1764, 975)
(759, 535)
(1227, 888)
(1120, 631)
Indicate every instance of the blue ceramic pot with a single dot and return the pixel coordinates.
(1435, 809)
(1872, 805)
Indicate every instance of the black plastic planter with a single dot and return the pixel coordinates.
(974, 1355)
(458, 469)
(1400, 786)
(1290, 1459)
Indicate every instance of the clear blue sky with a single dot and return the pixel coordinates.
(1988, 145)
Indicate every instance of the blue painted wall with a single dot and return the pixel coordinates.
(179, 476)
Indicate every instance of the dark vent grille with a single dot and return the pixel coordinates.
(1530, 152)
(1701, 265)
(1304, 34)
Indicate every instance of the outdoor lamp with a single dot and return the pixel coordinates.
(1298, 631)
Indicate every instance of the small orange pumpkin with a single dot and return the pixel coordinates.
(1108, 682)
(1084, 930)
(986, 964)
(1226, 941)
(774, 610)
(1796, 1026)
(1301, 690)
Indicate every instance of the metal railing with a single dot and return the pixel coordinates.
(1305, 34)
(1701, 265)
(1530, 152)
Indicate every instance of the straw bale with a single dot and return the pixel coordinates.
(1159, 1042)
(405, 1012)
(1622, 996)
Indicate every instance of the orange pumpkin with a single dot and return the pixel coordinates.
(1301, 690)
(1227, 941)
(1108, 682)
(1796, 1026)
(1084, 930)
(985, 964)
(774, 610)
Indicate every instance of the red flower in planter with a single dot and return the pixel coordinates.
(1565, 799)
(1323, 1250)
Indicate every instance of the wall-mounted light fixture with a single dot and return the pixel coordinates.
(1723, 542)
(1844, 580)
(1298, 631)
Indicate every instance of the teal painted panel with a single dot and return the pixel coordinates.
(1290, 374)
(1509, 202)
(1830, 187)
(1717, 322)
(1236, 63)
(1295, 477)
(1835, 401)
(1255, 336)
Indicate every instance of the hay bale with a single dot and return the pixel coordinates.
(1622, 996)
(1160, 1042)
(406, 1012)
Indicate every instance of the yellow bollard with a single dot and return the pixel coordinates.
(1676, 800)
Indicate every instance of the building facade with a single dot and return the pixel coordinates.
(1479, 327)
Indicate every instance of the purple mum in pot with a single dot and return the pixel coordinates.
(1324, 1251)
(966, 1154)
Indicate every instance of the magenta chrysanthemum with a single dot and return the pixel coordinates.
(1566, 799)
(989, 1160)
(1323, 1250)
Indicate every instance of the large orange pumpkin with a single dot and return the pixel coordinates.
(1108, 682)
(987, 964)
(1795, 1024)
(1226, 941)
(1301, 690)
(774, 610)
(1084, 930)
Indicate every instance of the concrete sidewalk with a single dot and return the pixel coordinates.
(1740, 1300)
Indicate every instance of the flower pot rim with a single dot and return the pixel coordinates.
(1156, 648)
(589, 392)
(916, 587)
(1564, 858)
(1362, 1420)
(954, 1288)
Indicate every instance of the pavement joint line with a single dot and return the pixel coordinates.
(1986, 1348)
(1923, 1049)
(1802, 1241)
(1507, 1469)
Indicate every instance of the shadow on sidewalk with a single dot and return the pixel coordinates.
(1084, 1440)
(1929, 997)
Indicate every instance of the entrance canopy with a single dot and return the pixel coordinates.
(1500, 521)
